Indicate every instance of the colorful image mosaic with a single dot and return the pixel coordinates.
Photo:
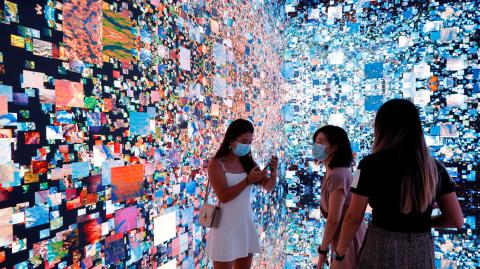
(109, 111)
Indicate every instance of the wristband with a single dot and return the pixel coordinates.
(323, 252)
(337, 257)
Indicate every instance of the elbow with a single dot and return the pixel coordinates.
(269, 185)
(223, 198)
(352, 218)
(458, 223)
(269, 188)
(333, 222)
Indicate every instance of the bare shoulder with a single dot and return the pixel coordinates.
(214, 163)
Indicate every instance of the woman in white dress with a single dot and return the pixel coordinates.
(232, 172)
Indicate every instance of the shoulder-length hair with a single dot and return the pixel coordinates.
(336, 136)
(234, 130)
(398, 127)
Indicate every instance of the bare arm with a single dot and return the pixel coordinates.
(451, 216)
(268, 183)
(353, 219)
(335, 206)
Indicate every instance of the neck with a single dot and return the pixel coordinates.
(326, 162)
(232, 156)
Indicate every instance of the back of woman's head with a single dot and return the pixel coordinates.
(397, 124)
(337, 137)
(398, 128)
(234, 130)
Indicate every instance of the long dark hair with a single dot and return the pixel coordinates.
(336, 136)
(234, 130)
(398, 127)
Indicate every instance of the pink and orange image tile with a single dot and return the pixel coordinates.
(69, 93)
(82, 29)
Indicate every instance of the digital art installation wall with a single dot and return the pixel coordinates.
(109, 111)
(344, 59)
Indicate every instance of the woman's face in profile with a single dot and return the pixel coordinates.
(322, 140)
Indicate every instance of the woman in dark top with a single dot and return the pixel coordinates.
(401, 181)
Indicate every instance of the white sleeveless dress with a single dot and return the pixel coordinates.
(236, 235)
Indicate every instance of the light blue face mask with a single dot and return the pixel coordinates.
(318, 151)
(241, 149)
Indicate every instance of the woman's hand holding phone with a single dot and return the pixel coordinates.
(273, 164)
(256, 175)
(270, 173)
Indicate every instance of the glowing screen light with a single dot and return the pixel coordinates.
(110, 109)
(341, 65)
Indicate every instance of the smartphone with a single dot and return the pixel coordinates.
(266, 167)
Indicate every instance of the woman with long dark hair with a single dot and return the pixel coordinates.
(331, 146)
(232, 172)
(401, 181)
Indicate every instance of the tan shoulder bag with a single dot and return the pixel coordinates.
(210, 214)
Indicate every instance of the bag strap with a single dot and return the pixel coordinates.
(209, 185)
(223, 166)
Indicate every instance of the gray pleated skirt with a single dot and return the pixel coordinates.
(383, 249)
